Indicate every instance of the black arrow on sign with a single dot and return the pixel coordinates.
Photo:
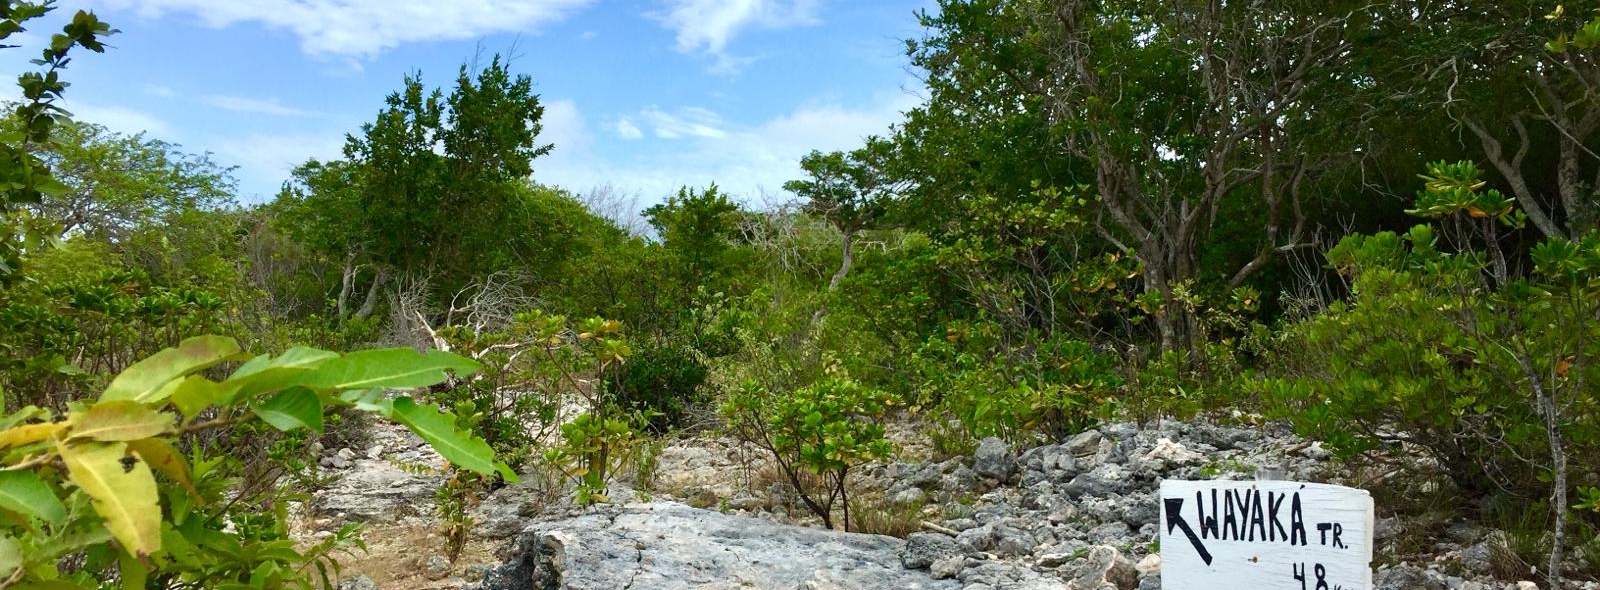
(1175, 520)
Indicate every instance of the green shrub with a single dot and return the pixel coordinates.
(824, 429)
(1052, 389)
(661, 382)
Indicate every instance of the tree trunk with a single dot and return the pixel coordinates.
(371, 302)
(1511, 170)
(846, 244)
(346, 285)
(1550, 413)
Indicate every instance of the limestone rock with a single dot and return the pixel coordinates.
(436, 567)
(922, 549)
(670, 546)
(948, 567)
(993, 459)
(357, 582)
(1405, 577)
(1168, 454)
(1104, 569)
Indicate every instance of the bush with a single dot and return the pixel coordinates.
(824, 429)
(1412, 357)
(661, 382)
(1054, 389)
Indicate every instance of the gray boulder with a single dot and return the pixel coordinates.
(1405, 577)
(922, 549)
(357, 582)
(993, 459)
(1104, 568)
(670, 546)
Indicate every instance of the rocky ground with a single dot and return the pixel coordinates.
(1078, 514)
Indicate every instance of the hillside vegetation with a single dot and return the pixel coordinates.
(1379, 222)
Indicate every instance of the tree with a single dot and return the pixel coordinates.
(316, 210)
(25, 178)
(700, 254)
(848, 190)
(438, 174)
(115, 183)
(1517, 83)
(429, 188)
(1167, 109)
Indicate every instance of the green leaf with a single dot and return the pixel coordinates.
(146, 381)
(23, 415)
(24, 492)
(119, 420)
(267, 373)
(123, 490)
(371, 400)
(134, 572)
(293, 408)
(388, 368)
(196, 393)
(82, 533)
(439, 429)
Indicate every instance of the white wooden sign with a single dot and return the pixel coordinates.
(1265, 535)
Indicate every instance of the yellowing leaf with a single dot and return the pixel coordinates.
(119, 420)
(17, 436)
(123, 491)
(161, 456)
(147, 380)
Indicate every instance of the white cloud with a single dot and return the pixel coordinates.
(706, 26)
(119, 119)
(159, 90)
(255, 106)
(563, 125)
(685, 122)
(627, 130)
(364, 28)
(747, 161)
(265, 160)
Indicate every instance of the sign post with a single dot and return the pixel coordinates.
(1265, 535)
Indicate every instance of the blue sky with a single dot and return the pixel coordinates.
(641, 95)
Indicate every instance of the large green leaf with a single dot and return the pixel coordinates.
(123, 491)
(196, 393)
(119, 420)
(439, 429)
(298, 357)
(267, 373)
(292, 408)
(388, 368)
(147, 380)
(24, 492)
